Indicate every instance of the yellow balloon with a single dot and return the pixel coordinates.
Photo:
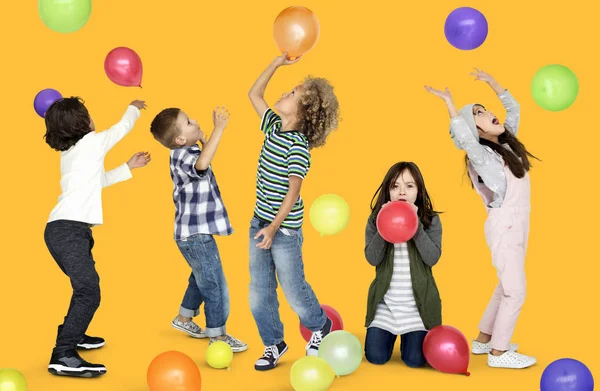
(219, 355)
(311, 374)
(12, 380)
(329, 214)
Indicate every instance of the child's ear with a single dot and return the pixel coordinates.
(180, 141)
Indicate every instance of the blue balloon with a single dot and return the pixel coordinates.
(567, 374)
(466, 28)
(44, 99)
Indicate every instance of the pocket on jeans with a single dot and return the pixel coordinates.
(288, 231)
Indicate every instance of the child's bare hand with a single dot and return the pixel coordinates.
(220, 117)
(445, 95)
(140, 104)
(481, 75)
(138, 160)
(285, 60)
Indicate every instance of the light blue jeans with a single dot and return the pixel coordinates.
(206, 283)
(284, 258)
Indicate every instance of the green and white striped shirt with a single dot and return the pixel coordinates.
(283, 154)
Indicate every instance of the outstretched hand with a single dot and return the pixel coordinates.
(445, 95)
(483, 76)
(285, 60)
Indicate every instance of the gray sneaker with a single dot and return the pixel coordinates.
(190, 328)
(237, 346)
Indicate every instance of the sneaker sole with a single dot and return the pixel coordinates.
(511, 367)
(262, 369)
(239, 349)
(199, 336)
(90, 346)
(61, 370)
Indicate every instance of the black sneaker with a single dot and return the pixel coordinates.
(270, 357)
(312, 348)
(71, 364)
(88, 343)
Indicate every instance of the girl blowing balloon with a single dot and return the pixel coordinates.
(403, 298)
(498, 165)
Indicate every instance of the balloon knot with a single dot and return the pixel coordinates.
(140, 86)
(468, 373)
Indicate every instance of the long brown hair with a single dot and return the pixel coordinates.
(423, 202)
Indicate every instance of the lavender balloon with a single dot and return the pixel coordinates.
(466, 28)
(567, 374)
(44, 99)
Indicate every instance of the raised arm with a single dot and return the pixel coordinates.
(110, 137)
(220, 120)
(257, 92)
(512, 107)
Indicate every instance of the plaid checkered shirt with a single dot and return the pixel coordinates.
(199, 208)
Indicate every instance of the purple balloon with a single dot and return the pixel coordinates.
(466, 28)
(567, 374)
(44, 99)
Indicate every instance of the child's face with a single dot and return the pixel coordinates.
(487, 122)
(405, 188)
(287, 105)
(189, 130)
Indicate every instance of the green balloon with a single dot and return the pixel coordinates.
(12, 380)
(342, 351)
(329, 214)
(65, 16)
(554, 87)
(311, 374)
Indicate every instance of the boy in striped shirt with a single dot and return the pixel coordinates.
(306, 116)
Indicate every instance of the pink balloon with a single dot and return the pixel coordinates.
(447, 350)
(397, 222)
(123, 66)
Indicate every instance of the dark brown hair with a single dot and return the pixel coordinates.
(164, 127)
(67, 121)
(423, 202)
(319, 111)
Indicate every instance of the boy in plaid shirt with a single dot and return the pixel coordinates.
(199, 214)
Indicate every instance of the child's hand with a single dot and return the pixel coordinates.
(202, 141)
(284, 60)
(140, 104)
(481, 75)
(267, 233)
(220, 117)
(138, 160)
(445, 95)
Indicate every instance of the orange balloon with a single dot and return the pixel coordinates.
(173, 371)
(296, 31)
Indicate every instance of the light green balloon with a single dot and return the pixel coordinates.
(554, 87)
(342, 351)
(65, 16)
(12, 380)
(329, 214)
(311, 374)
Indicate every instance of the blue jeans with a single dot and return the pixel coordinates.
(206, 283)
(379, 346)
(284, 258)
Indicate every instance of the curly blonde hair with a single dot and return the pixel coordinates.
(319, 111)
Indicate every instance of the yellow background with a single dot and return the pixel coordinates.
(379, 54)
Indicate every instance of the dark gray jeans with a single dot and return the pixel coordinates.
(70, 243)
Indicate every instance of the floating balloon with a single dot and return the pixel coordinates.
(447, 350)
(336, 320)
(219, 355)
(65, 16)
(567, 374)
(311, 374)
(342, 351)
(12, 380)
(123, 67)
(296, 30)
(173, 371)
(554, 87)
(466, 28)
(397, 222)
(329, 214)
(44, 99)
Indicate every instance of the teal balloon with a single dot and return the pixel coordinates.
(554, 87)
(12, 380)
(342, 351)
(65, 16)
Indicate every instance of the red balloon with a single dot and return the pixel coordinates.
(336, 319)
(447, 350)
(397, 222)
(123, 66)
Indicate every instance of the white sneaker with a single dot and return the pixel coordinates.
(190, 328)
(485, 348)
(511, 360)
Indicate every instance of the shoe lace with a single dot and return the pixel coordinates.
(315, 340)
(270, 352)
(232, 341)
